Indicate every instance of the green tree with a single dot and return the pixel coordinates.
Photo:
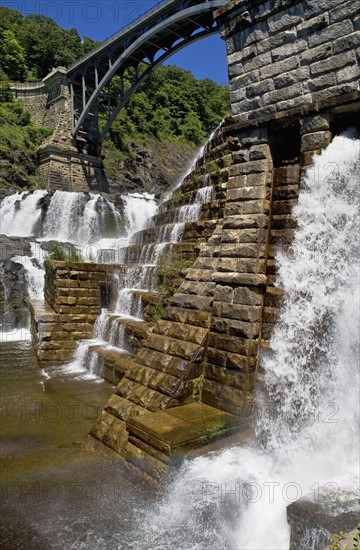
(191, 129)
(12, 56)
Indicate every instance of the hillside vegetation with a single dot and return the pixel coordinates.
(171, 111)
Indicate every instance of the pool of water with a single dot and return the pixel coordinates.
(55, 494)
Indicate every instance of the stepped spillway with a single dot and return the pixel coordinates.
(114, 329)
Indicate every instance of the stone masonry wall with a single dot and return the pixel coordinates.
(291, 57)
(62, 165)
(34, 97)
(293, 71)
(73, 297)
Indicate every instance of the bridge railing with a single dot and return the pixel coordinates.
(158, 7)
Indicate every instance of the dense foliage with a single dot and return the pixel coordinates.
(172, 105)
(31, 46)
(19, 140)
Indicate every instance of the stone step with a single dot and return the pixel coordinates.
(114, 362)
(168, 364)
(162, 457)
(122, 408)
(194, 231)
(206, 212)
(147, 464)
(167, 384)
(143, 396)
(150, 254)
(126, 333)
(180, 427)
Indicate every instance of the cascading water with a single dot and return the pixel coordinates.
(140, 276)
(20, 214)
(308, 414)
(90, 222)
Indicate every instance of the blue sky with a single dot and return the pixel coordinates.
(99, 19)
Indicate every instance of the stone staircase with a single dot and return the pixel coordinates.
(160, 386)
(141, 257)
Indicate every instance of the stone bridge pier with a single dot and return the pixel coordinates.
(65, 163)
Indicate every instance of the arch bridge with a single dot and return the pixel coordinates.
(130, 55)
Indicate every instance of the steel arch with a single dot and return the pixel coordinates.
(138, 51)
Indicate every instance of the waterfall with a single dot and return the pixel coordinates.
(20, 213)
(81, 218)
(138, 269)
(308, 417)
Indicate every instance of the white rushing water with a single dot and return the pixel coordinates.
(308, 419)
(20, 213)
(138, 272)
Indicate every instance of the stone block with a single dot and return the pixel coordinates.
(172, 346)
(259, 179)
(141, 395)
(286, 37)
(260, 152)
(333, 63)
(314, 123)
(240, 156)
(252, 296)
(316, 54)
(332, 96)
(348, 74)
(192, 317)
(294, 106)
(289, 50)
(236, 182)
(256, 62)
(242, 55)
(237, 95)
(242, 81)
(283, 94)
(258, 89)
(247, 207)
(286, 175)
(316, 140)
(280, 67)
(159, 381)
(245, 221)
(248, 193)
(251, 265)
(243, 329)
(232, 378)
(218, 324)
(241, 346)
(232, 400)
(242, 279)
(216, 356)
(325, 81)
(313, 25)
(254, 166)
(245, 105)
(202, 303)
(285, 192)
(189, 333)
(349, 42)
(293, 77)
(115, 436)
(199, 288)
(223, 293)
(343, 11)
(253, 34)
(122, 409)
(286, 19)
(239, 312)
(331, 33)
